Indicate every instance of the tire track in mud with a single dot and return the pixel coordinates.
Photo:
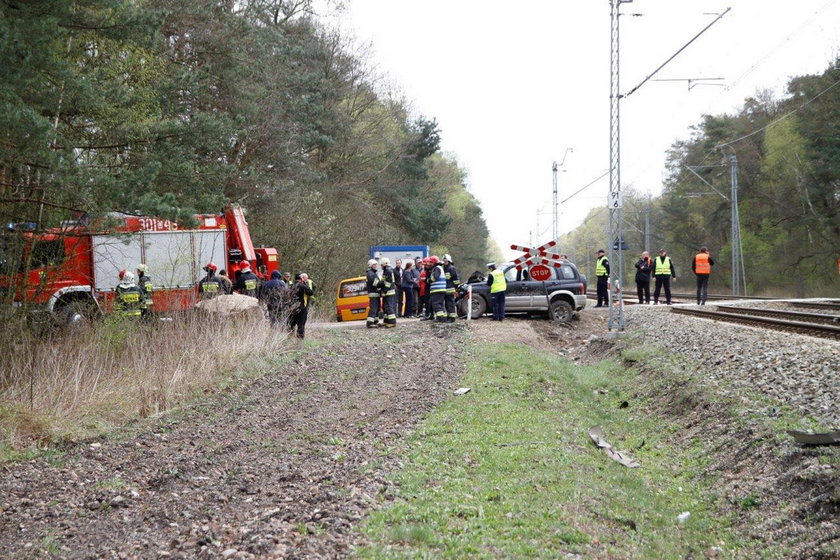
(284, 467)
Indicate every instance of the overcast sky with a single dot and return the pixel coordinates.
(514, 84)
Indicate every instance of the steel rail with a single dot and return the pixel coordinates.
(812, 329)
(782, 314)
(824, 305)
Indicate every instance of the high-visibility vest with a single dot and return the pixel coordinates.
(701, 264)
(499, 282)
(663, 266)
(600, 269)
(438, 285)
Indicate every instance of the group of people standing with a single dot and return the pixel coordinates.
(285, 301)
(663, 271)
(425, 288)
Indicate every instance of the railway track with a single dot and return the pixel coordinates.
(798, 326)
(820, 318)
(830, 305)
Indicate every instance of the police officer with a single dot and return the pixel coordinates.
(437, 288)
(663, 271)
(373, 284)
(602, 275)
(211, 285)
(498, 287)
(145, 284)
(389, 293)
(452, 282)
(129, 298)
(247, 283)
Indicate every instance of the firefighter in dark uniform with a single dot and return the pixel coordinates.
(389, 293)
(437, 289)
(602, 274)
(452, 282)
(145, 284)
(271, 295)
(247, 283)
(374, 297)
(211, 285)
(129, 298)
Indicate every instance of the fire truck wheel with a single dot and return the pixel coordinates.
(561, 311)
(76, 315)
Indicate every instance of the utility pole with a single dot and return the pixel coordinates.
(554, 204)
(647, 227)
(615, 197)
(736, 229)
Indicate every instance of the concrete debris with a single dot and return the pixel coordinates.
(597, 436)
(461, 391)
(810, 438)
(233, 304)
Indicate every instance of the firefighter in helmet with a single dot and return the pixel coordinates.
(373, 284)
(145, 284)
(437, 289)
(389, 293)
(247, 283)
(128, 300)
(452, 282)
(211, 285)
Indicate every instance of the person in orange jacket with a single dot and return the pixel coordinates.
(702, 268)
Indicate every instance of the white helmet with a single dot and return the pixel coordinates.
(385, 261)
(128, 278)
(142, 267)
(372, 263)
(447, 257)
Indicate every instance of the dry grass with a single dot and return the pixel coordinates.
(61, 385)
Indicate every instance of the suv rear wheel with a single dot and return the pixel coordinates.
(561, 311)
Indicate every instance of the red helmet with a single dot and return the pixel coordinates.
(433, 260)
(244, 265)
(210, 266)
(122, 273)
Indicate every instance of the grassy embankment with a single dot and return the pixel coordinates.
(66, 386)
(508, 471)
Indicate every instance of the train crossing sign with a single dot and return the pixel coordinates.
(538, 260)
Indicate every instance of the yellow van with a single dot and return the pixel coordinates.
(351, 301)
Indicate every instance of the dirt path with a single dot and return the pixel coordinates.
(283, 467)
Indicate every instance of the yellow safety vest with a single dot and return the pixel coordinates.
(663, 266)
(600, 269)
(499, 282)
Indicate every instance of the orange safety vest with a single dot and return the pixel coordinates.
(701, 264)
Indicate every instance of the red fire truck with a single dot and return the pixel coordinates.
(73, 270)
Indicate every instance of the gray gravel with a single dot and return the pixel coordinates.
(797, 371)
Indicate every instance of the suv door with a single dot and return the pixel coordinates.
(519, 289)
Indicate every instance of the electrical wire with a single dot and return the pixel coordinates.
(586, 186)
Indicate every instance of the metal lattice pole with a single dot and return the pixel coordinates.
(736, 230)
(554, 232)
(616, 321)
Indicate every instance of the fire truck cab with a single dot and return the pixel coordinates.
(73, 270)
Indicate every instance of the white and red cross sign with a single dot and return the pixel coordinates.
(537, 260)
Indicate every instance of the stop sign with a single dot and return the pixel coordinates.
(540, 273)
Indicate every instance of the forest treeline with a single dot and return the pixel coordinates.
(788, 156)
(175, 107)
